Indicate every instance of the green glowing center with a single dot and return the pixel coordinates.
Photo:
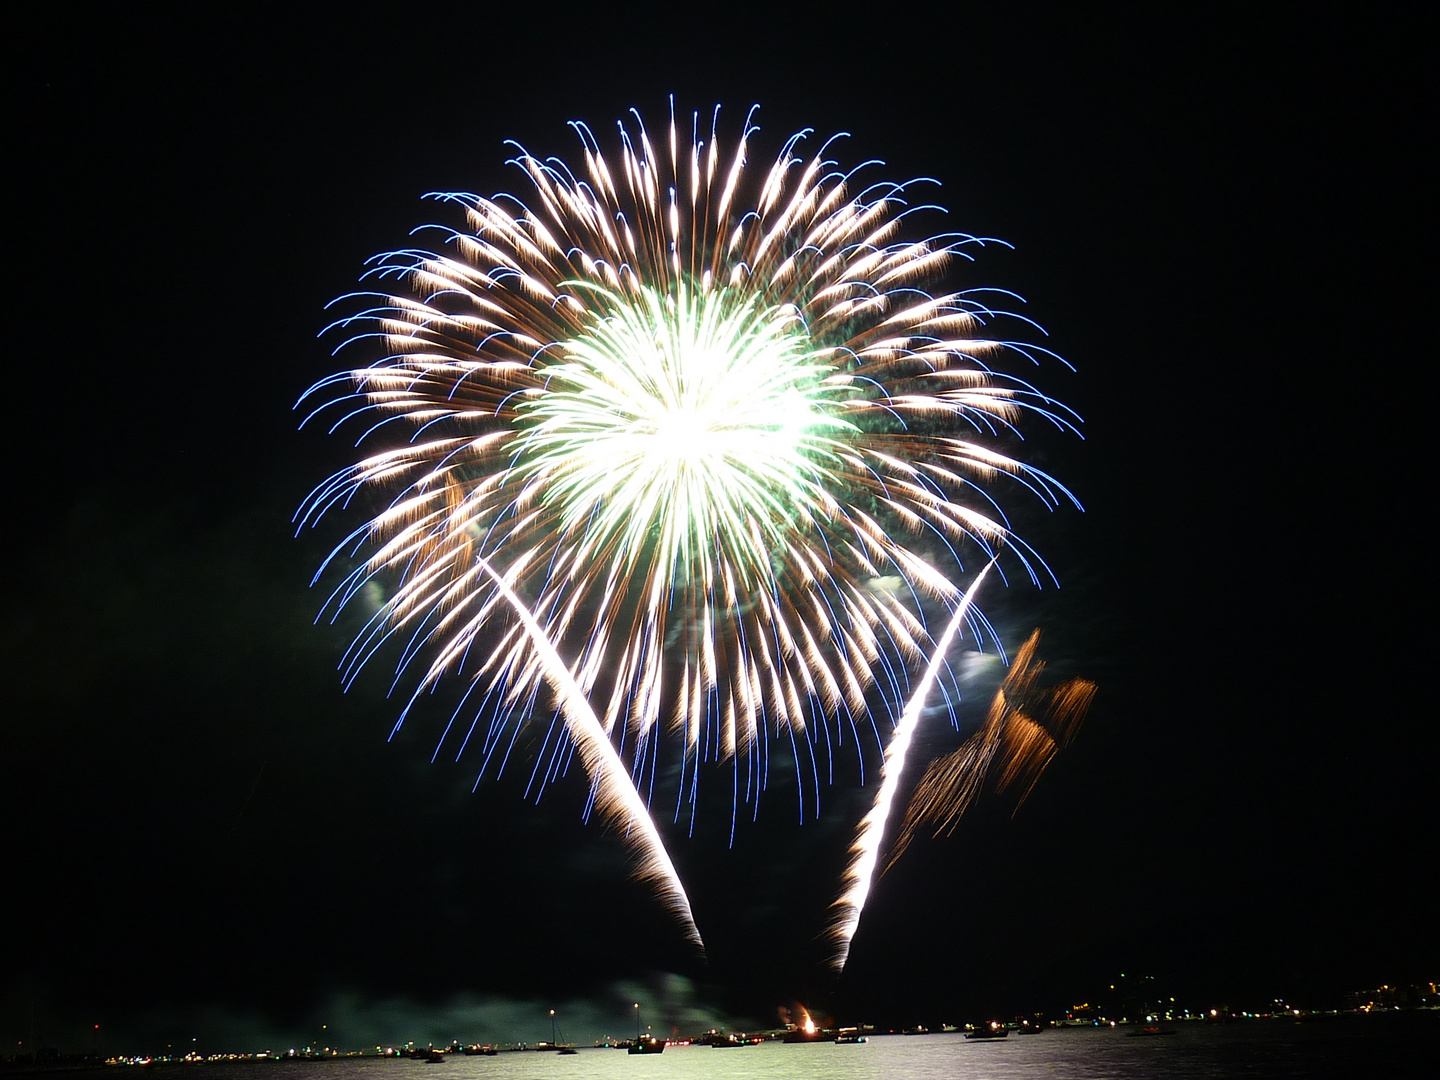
(691, 420)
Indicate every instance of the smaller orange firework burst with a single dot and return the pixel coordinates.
(1023, 731)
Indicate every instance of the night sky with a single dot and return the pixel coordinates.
(1217, 217)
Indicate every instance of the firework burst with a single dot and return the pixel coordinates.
(704, 419)
(1024, 729)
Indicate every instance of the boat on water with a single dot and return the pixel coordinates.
(808, 1034)
(434, 1057)
(557, 1039)
(992, 1030)
(850, 1038)
(724, 1040)
(647, 1044)
(1150, 1030)
(1030, 1027)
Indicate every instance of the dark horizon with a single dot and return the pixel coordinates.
(1214, 218)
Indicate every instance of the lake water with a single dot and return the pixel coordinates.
(1400, 1046)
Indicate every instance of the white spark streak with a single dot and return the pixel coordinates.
(615, 795)
(865, 852)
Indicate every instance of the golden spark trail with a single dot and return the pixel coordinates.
(1024, 729)
(865, 852)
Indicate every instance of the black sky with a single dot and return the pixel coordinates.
(1219, 217)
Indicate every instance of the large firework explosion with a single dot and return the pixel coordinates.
(703, 423)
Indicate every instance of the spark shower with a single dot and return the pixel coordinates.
(677, 452)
